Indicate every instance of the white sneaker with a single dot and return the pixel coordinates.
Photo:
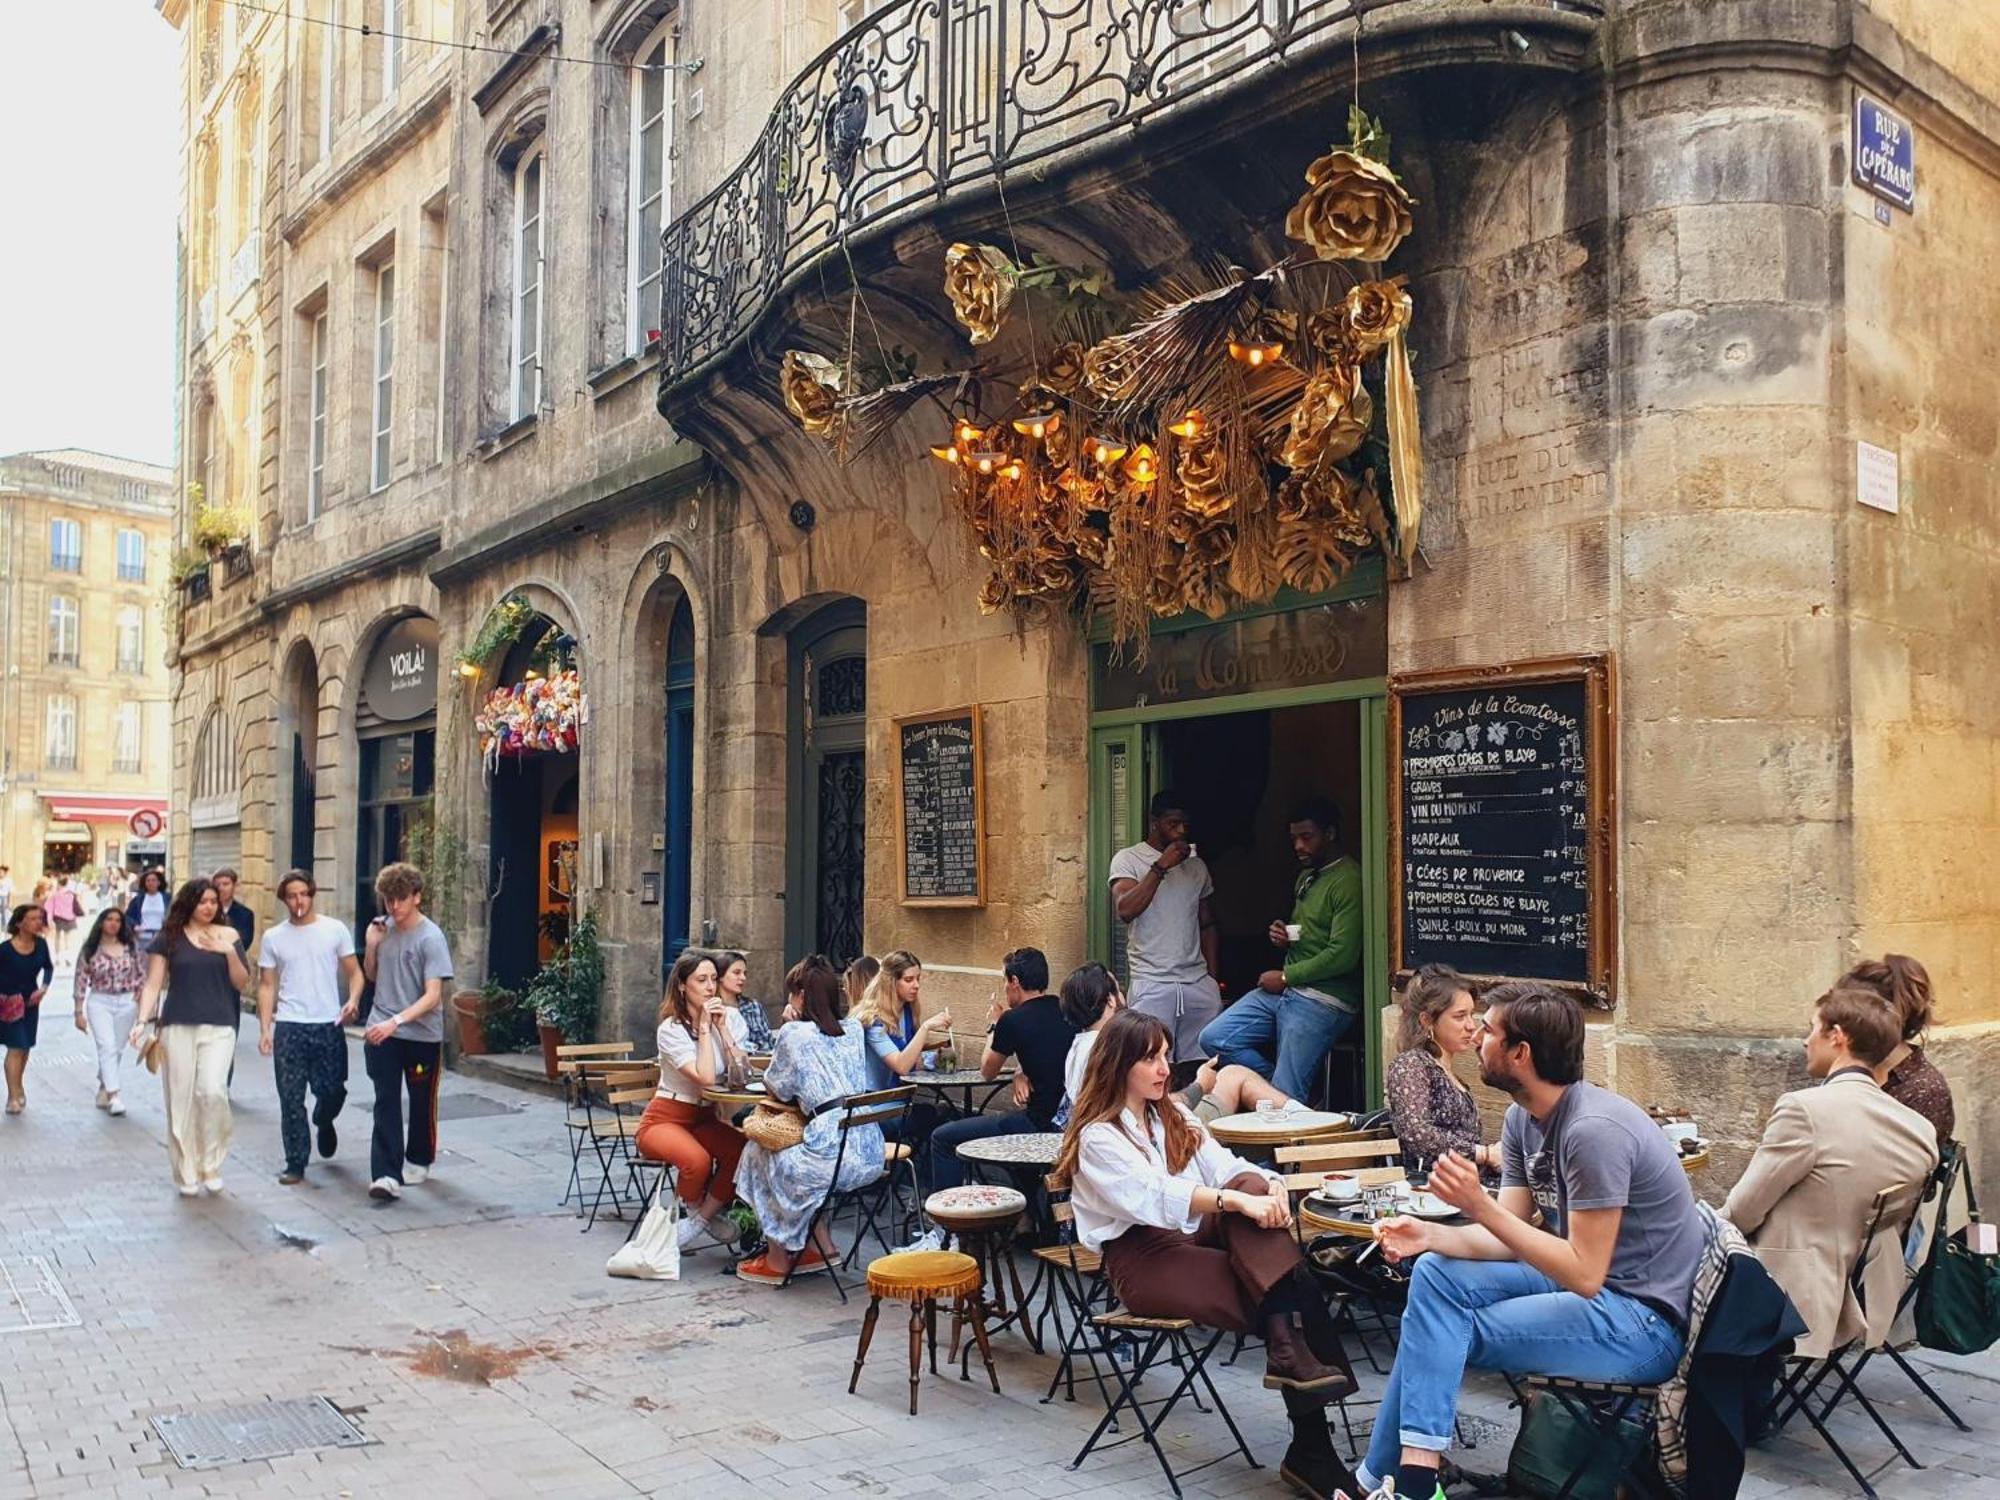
(414, 1174)
(213, 1185)
(384, 1188)
(103, 1099)
(188, 1190)
(116, 1106)
(691, 1231)
(930, 1239)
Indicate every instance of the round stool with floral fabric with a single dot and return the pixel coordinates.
(921, 1278)
(983, 1218)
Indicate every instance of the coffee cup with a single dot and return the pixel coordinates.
(1292, 931)
(1341, 1187)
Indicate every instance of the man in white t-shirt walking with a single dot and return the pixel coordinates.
(1161, 889)
(304, 964)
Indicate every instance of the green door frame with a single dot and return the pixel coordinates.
(1134, 732)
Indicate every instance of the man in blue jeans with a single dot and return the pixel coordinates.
(1285, 1027)
(1601, 1293)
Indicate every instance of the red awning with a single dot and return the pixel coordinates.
(100, 807)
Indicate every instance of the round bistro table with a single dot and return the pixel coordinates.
(1269, 1129)
(966, 1081)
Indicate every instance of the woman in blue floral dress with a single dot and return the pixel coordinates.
(818, 1058)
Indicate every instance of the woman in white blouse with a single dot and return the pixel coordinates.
(699, 1033)
(1189, 1229)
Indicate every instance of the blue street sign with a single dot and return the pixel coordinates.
(1885, 153)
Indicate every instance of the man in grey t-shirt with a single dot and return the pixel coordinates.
(408, 962)
(1600, 1293)
(1160, 891)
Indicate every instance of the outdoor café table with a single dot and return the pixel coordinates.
(728, 1100)
(1267, 1129)
(966, 1081)
(1031, 1156)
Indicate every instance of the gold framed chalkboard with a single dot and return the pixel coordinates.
(1503, 821)
(940, 764)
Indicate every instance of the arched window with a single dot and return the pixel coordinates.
(651, 172)
(215, 767)
(526, 339)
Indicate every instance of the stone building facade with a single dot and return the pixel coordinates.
(1655, 316)
(84, 740)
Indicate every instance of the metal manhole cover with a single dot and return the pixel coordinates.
(472, 1107)
(264, 1429)
(31, 1298)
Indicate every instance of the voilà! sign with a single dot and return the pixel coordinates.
(1885, 153)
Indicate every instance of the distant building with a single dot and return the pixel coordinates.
(84, 741)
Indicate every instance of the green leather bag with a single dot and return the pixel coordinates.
(1554, 1440)
(1958, 1303)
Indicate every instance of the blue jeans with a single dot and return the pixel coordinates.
(947, 1171)
(1503, 1315)
(1300, 1029)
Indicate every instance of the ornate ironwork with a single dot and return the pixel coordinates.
(927, 96)
(840, 859)
(843, 687)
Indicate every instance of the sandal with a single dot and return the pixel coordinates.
(15, 1106)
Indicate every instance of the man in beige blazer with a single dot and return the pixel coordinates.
(1805, 1198)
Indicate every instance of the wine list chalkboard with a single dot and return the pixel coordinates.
(940, 809)
(1502, 835)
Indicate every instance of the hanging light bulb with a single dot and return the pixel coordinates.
(986, 461)
(1141, 468)
(1190, 426)
(1038, 425)
(966, 434)
(1013, 469)
(1107, 450)
(1255, 352)
(947, 454)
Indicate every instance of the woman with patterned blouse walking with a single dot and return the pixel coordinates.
(109, 971)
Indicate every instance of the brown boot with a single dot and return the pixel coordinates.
(1290, 1364)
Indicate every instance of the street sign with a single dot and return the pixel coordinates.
(1885, 153)
(145, 823)
(1877, 477)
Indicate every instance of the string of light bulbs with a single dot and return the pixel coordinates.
(362, 28)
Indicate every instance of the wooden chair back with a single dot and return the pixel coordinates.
(1313, 1162)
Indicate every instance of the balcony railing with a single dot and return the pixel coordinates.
(925, 96)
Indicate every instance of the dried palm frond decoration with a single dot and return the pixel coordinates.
(1229, 442)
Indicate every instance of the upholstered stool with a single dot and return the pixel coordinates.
(921, 1277)
(983, 1218)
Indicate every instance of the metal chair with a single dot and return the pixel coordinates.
(877, 1108)
(1076, 1276)
(1175, 1339)
(1603, 1407)
(571, 1075)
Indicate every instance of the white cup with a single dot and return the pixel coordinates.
(1292, 931)
(1341, 1187)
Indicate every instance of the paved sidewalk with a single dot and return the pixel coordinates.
(472, 1334)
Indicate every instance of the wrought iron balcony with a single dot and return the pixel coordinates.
(927, 96)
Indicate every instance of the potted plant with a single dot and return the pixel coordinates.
(221, 530)
(467, 1007)
(564, 995)
(509, 1025)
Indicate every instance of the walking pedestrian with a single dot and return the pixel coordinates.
(25, 972)
(63, 909)
(239, 916)
(408, 961)
(109, 971)
(147, 913)
(303, 966)
(195, 963)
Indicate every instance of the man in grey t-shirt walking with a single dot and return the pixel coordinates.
(408, 961)
(1600, 1294)
(1160, 890)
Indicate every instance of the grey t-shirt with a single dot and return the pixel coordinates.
(1598, 1149)
(404, 963)
(1163, 943)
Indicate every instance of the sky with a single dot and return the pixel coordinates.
(89, 107)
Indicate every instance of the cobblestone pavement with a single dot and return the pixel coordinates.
(471, 1333)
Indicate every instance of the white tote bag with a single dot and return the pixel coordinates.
(654, 1251)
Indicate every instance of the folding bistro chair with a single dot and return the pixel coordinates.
(1800, 1382)
(1076, 1277)
(628, 1090)
(570, 1074)
(857, 1110)
(1951, 1166)
(1367, 1153)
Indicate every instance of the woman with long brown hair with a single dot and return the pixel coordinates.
(1188, 1229)
(1432, 1107)
(699, 1034)
(1906, 1075)
(196, 963)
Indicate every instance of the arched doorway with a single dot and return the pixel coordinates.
(678, 866)
(299, 734)
(529, 733)
(828, 792)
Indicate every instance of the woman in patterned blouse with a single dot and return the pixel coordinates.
(1434, 1112)
(108, 975)
(1906, 1075)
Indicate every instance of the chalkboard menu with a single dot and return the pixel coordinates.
(1501, 824)
(940, 810)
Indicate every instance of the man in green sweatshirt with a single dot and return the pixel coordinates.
(1285, 1026)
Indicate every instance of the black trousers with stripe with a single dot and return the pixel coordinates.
(396, 1065)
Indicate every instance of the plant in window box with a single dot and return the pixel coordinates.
(187, 573)
(222, 531)
(564, 994)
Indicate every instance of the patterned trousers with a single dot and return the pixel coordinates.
(307, 1052)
